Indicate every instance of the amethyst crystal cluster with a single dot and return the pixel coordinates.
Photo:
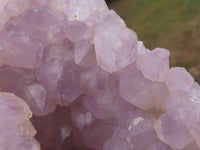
(90, 84)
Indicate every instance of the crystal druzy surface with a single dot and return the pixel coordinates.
(90, 84)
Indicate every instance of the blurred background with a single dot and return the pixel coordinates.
(170, 24)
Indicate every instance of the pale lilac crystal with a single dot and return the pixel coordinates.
(14, 79)
(195, 92)
(117, 50)
(178, 78)
(11, 8)
(84, 53)
(160, 93)
(154, 64)
(136, 129)
(75, 30)
(78, 9)
(18, 48)
(141, 49)
(135, 88)
(15, 125)
(171, 130)
(89, 82)
(36, 96)
(81, 117)
(176, 98)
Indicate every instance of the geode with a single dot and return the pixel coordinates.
(89, 82)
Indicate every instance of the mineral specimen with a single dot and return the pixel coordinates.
(89, 82)
(16, 130)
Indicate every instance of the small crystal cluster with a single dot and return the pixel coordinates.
(89, 82)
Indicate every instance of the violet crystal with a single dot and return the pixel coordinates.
(90, 84)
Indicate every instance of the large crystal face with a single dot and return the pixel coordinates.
(90, 84)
